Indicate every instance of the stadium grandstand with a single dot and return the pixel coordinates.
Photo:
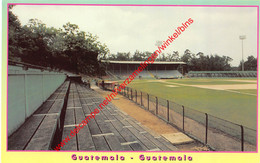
(158, 70)
(220, 74)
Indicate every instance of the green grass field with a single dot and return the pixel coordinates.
(235, 105)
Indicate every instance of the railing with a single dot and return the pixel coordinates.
(219, 134)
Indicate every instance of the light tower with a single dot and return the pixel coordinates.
(242, 37)
(158, 43)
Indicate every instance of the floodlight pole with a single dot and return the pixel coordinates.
(158, 43)
(242, 38)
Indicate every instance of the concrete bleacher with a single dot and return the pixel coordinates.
(223, 74)
(166, 74)
(147, 74)
(111, 130)
(125, 74)
(44, 126)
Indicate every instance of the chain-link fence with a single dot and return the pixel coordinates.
(219, 134)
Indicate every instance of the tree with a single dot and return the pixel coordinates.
(67, 48)
(250, 64)
(14, 29)
(186, 57)
(173, 57)
(139, 56)
(36, 40)
(202, 62)
(123, 56)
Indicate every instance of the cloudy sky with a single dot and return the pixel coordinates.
(215, 30)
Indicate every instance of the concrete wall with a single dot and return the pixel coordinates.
(27, 90)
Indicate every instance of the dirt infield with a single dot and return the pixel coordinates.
(171, 85)
(226, 87)
(249, 81)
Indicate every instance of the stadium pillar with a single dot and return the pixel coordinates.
(182, 70)
(113, 69)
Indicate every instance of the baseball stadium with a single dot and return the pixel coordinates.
(223, 100)
(68, 92)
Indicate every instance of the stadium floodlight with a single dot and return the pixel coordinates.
(158, 43)
(242, 37)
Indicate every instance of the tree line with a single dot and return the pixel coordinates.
(195, 62)
(65, 48)
(77, 51)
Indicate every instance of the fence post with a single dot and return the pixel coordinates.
(242, 138)
(141, 99)
(131, 94)
(135, 96)
(156, 105)
(168, 111)
(148, 101)
(182, 117)
(206, 136)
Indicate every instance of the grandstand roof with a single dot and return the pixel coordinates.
(139, 62)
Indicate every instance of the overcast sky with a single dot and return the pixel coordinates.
(215, 30)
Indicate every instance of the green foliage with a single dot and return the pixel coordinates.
(250, 64)
(120, 56)
(140, 56)
(67, 48)
(195, 62)
(173, 57)
(201, 62)
(14, 29)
